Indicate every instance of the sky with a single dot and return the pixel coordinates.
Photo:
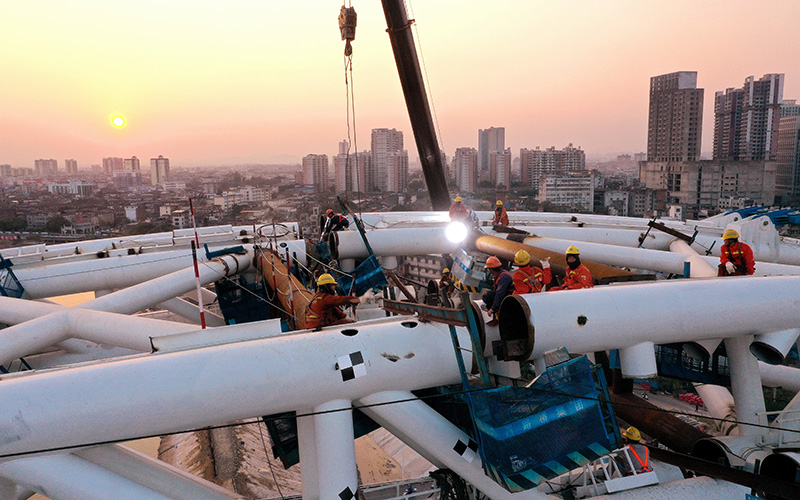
(257, 81)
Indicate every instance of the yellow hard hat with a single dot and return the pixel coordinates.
(730, 234)
(326, 279)
(632, 433)
(458, 199)
(522, 258)
(499, 203)
(446, 270)
(573, 250)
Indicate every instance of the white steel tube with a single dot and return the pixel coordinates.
(109, 273)
(745, 385)
(96, 326)
(773, 347)
(154, 474)
(127, 398)
(188, 311)
(436, 436)
(698, 266)
(396, 242)
(638, 361)
(138, 297)
(67, 477)
(620, 316)
(26, 338)
(307, 448)
(11, 491)
(645, 258)
(696, 488)
(336, 451)
(719, 402)
(779, 376)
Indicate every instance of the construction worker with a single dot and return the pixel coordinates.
(578, 275)
(323, 310)
(633, 439)
(503, 286)
(735, 258)
(335, 222)
(500, 215)
(447, 287)
(458, 211)
(530, 279)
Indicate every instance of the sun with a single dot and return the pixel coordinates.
(118, 121)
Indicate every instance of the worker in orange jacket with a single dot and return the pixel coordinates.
(530, 279)
(458, 211)
(735, 258)
(500, 215)
(323, 310)
(578, 275)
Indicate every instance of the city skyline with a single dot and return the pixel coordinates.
(255, 82)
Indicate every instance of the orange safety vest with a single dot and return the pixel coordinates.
(740, 255)
(644, 464)
(528, 279)
(580, 277)
(458, 211)
(324, 311)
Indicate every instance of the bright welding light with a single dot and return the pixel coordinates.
(456, 232)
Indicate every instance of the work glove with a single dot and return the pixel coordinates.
(730, 267)
(545, 263)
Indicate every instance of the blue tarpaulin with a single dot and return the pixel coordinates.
(367, 275)
(559, 423)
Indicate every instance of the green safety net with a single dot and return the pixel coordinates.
(562, 421)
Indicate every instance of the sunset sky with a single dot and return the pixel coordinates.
(258, 81)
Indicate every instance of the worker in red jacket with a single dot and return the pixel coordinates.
(500, 215)
(503, 287)
(458, 211)
(323, 310)
(578, 275)
(530, 279)
(735, 258)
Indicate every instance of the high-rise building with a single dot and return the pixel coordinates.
(131, 164)
(315, 172)
(675, 118)
(790, 108)
(159, 170)
(465, 165)
(45, 167)
(761, 114)
(787, 175)
(113, 164)
(71, 166)
(490, 139)
(727, 117)
(500, 167)
(746, 120)
(536, 163)
(5, 170)
(398, 172)
(385, 144)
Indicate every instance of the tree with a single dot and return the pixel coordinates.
(55, 224)
(13, 224)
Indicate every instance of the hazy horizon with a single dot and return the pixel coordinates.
(259, 83)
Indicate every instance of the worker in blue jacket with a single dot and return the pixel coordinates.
(503, 286)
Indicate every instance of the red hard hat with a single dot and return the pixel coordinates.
(329, 212)
(493, 262)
